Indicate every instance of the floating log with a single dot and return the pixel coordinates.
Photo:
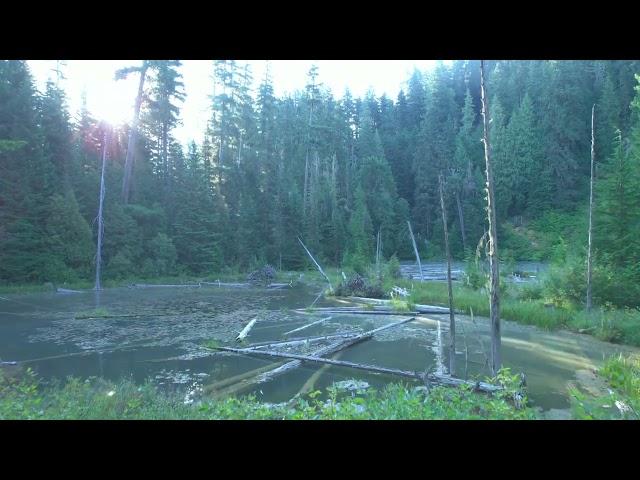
(227, 284)
(300, 341)
(307, 326)
(66, 290)
(418, 306)
(375, 312)
(245, 331)
(439, 379)
(279, 285)
(149, 285)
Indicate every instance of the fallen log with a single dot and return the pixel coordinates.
(300, 341)
(66, 290)
(439, 379)
(328, 350)
(278, 285)
(245, 331)
(307, 326)
(148, 285)
(381, 301)
(374, 312)
(227, 284)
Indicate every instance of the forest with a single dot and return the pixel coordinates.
(347, 175)
(333, 171)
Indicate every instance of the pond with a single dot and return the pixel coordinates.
(164, 341)
(517, 272)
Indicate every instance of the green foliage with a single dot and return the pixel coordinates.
(392, 268)
(24, 398)
(623, 402)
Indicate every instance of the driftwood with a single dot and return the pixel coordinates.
(307, 326)
(317, 264)
(438, 379)
(245, 331)
(149, 285)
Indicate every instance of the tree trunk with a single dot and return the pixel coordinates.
(589, 258)
(415, 249)
(452, 320)
(494, 306)
(461, 218)
(98, 286)
(128, 164)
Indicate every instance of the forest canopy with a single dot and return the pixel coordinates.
(334, 171)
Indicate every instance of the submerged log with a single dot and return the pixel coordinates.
(438, 379)
(307, 326)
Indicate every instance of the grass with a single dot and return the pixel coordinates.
(622, 373)
(26, 398)
(612, 325)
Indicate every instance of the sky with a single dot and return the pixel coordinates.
(111, 100)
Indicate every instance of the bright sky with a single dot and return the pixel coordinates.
(113, 101)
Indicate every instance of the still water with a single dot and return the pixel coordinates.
(164, 341)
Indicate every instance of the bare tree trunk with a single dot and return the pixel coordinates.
(378, 254)
(128, 164)
(461, 219)
(98, 285)
(317, 264)
(494, 306)
(165, 154)
(589, 257)
(415, 249)
(452, 319)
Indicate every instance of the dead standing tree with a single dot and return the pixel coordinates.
(98, 285)
(589, 258)
(494, 284)
(452, 319)
(415, 249)
(133, 133)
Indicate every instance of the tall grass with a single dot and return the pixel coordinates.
(612, 325)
